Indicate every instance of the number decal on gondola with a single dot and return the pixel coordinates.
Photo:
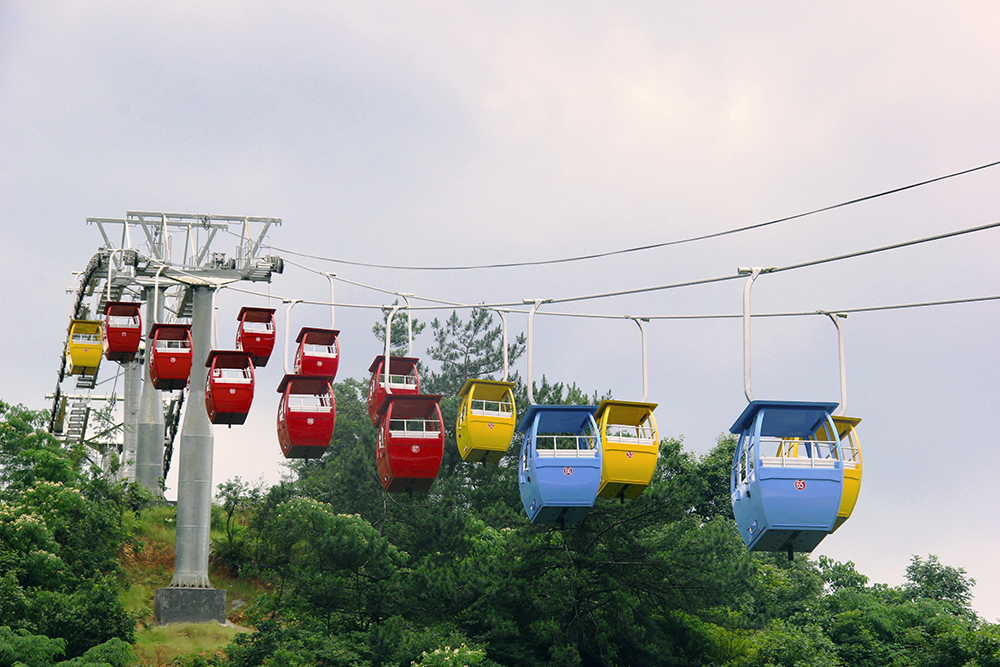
(567, 470)
(800, 484)
(629, 454)
(415, 448)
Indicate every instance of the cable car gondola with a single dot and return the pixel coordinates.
(255, 333)
(318, 352)
(559, 473)
(307, 412)
(122, 330)
(485, 423)
(404, 380)
(410, 442)
(170, 356)
(229, 386)
(629, 448)
(84, 347)
(787, 479)
(797, 468)
(851, 449)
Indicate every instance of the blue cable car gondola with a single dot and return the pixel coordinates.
(786, 483)
(559, 472)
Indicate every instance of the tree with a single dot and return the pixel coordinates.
(787, 645)
(468, 350)
(929, 579)
(61, 527)
(238, 497)
(27, 453)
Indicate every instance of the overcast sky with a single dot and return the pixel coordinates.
(478, 133)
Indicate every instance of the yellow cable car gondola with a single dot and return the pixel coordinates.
(851, 452)
(486, 420)
(84, 347)
(630, 446)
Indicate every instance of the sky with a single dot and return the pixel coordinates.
(450, 133)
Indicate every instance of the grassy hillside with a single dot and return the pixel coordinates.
(148, 567)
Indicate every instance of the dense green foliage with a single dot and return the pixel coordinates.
(61, 528)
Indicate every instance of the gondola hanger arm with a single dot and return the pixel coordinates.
(409, 324)
(641, 322)
(752, 274)
(288, 331)
(535, 303)
(503, 321)
(330, 277)
(388, 344)
(835, 318)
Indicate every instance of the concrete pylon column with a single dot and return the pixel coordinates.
(133, 392)
(149, 427)
(194, 484)
(190, 597)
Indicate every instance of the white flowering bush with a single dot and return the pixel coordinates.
(461, 656)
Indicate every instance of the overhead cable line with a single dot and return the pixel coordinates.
(599, 316)
(778, 269)
(653, 246)
(835, 311)
(512, 306)
(346, 281)
(802, 313)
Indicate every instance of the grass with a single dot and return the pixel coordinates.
(148, 567)
(161, 645)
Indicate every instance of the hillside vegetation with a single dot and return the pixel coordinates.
(328, 569)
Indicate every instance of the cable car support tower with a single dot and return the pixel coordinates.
(168, 261)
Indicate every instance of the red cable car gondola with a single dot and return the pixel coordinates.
(122, 330)
(255, 333)
(170, 356)
(404, 380)
(318, 353)
(306, 415)
(229, 386)
(410, 442)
